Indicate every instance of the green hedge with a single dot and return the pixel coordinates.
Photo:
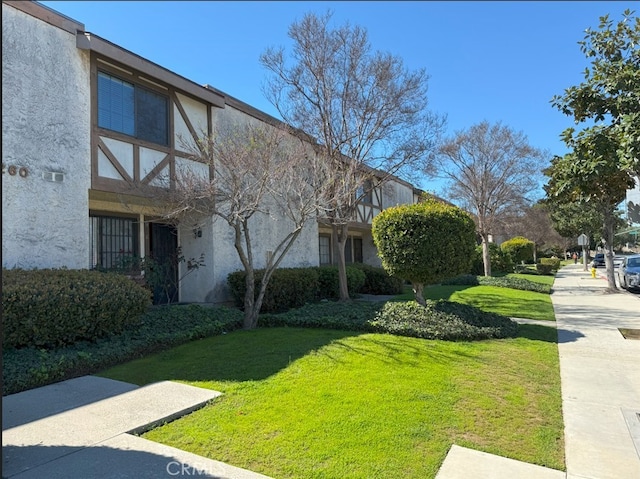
(160, 328)
(329, 284)
(378, 281)
(554, 263)
(287, 288)
(503, 282)
(56, 307)
(294, 287)
(439, 320)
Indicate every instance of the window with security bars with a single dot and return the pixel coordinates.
(114, 242)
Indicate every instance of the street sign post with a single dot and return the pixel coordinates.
(583, 240)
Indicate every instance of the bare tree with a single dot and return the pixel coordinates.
(366, 111)
(534, 223)
(246, 171)
(490, 170)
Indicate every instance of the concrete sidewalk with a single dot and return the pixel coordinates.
(84, 428)
(600, 374)
(600, 377)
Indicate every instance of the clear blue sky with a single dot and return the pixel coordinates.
(498, 61)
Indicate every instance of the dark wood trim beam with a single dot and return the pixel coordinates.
(89, 41)
(47, 15)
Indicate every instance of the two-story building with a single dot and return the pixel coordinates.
(82, 120)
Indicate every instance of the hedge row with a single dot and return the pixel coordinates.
(293, 287)
(158, 329)
(443, 320)
(504, 282)
(56, 307)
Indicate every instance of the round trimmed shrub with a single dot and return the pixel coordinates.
(56, 307)
(519, 248)
(426, 242)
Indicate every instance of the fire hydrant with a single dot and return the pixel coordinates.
(593, 271)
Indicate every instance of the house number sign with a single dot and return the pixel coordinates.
(14, 170)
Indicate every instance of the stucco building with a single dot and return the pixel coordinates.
(81, 119)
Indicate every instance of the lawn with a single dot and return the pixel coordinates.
(310, 403)
(506, 301)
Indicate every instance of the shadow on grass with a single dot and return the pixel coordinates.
(245, 356)
(238, 356)
(548, 334)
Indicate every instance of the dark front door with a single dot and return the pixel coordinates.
(164, 255)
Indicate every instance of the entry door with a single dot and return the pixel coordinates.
(164, 252)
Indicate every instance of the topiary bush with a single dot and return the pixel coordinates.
(519, 248)
(56, 307)
(378, 281)
(287, 288)
(424, 243)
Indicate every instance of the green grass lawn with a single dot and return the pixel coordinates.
(308, 403)
(506, 301)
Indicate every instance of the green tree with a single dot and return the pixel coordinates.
(605, 153)
(519, 249)
(424, 243)
(610, 94)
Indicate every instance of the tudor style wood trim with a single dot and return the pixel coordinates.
(89, 41)
(114, 161)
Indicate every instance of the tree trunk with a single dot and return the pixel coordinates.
(418, 291)
(250, 312)
(608, 231)
(486, 257)
(339, 241)
(535, 253)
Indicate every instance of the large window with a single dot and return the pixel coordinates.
(114, 241)
(132, 110)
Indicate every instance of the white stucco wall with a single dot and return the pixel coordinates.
(209, 284)
(395, 193)
(45, 128)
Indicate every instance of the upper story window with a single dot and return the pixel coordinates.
(130, 109)
(365, 192)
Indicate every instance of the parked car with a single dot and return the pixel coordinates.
(629, 272)
(598, 260)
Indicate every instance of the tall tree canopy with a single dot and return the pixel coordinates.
(490, 170)
(605, 154)
(367, 112)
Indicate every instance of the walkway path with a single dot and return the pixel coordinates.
(85, 428)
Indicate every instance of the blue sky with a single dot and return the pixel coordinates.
(498, 61)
